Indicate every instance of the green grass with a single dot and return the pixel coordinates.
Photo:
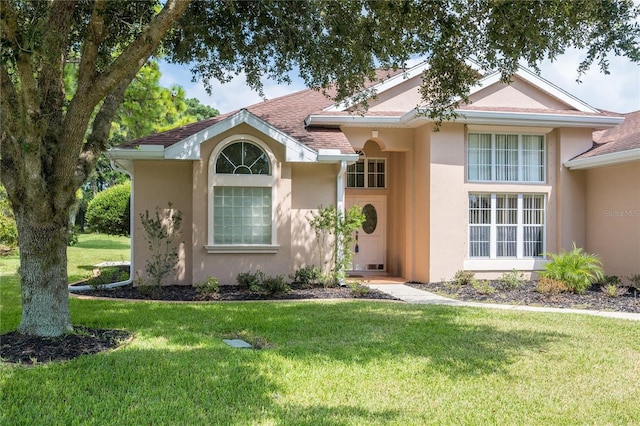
(331, 363)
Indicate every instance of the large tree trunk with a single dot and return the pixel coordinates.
(43, 272)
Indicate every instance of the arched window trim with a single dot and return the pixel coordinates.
(215, 179)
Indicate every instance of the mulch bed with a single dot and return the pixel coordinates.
(18, 348)
(232, 293)
(593, 298)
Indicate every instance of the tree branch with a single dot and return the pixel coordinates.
(133, 57)
(97, 140)
(95, 35)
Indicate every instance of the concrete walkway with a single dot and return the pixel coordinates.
(413, 295)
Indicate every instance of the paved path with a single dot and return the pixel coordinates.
(413, 295)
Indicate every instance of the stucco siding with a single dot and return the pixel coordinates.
(613, 217)
(156, 184)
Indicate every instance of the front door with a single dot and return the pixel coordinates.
(369, 250)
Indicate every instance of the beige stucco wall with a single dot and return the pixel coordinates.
(156, 184)
(613, 217)
(518, 94)
(569, 189)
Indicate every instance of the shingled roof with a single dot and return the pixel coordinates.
(624, 137)
(285, 113)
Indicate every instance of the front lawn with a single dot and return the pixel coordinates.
(333, 363)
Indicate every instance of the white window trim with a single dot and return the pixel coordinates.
(215, 179)
(520, 157)
(366, 174)
(493, 260)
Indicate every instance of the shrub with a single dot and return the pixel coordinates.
(208, 287)
(483, 286)
(159, 233)
(306, 276)
(108, 212)
(275, 285)
(251, 281)
(578, 270)
(551, 286)
(635, 281)
(108, 275)
(463, 278)
(514, 279)
(335, 229)
(358, 289)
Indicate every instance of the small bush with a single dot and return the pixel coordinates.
(108, 275)
(251, 281)
(358, 289)
(577, 269)
(208, 287)
(634, 279)
(483, 286)
(463, 278)
(108, 212)
(306, 276)
(612, 286)
(551, 286)
(512, 280)
(275, 285)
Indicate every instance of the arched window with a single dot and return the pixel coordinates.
(242, 158)
(241, 196)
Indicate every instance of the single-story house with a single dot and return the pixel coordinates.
(515, 176)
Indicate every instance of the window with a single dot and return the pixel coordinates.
(241, 194)
(506, 157)
(367, 173)
(506, 225)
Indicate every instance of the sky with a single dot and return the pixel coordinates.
(618, 91)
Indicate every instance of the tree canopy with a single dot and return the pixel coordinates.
(51, 141)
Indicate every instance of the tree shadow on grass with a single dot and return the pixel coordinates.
(455, 341)
(178, 371)
(101, 244)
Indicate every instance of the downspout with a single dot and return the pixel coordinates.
(340, 207)
(81, 288)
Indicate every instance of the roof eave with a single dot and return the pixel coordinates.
(502, 118)
(603, 160)
(142, 152)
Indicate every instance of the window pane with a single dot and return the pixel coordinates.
(507, 209)
(506, 157)
(243, 158)
(479, 209)
(246, 219)
(355, 175)
(479, 157)
(533, 246)
(506, 241)
(479, 241)
(533, 158)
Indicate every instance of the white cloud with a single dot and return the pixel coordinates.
(619, 91)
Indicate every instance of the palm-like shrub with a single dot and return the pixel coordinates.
(577, 269)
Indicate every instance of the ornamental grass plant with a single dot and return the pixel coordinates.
(576, 268)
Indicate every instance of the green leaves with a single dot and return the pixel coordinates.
(577, 269)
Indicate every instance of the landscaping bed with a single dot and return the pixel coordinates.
(232, 293)
(594, 298)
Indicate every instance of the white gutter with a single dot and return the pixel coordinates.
(604, 160)
(357, 120)
(143, 152)
(81, 288)
(503, 118)
(496, 118)
(334, 156)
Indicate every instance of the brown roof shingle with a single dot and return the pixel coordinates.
(623, 137)
(286, 113)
